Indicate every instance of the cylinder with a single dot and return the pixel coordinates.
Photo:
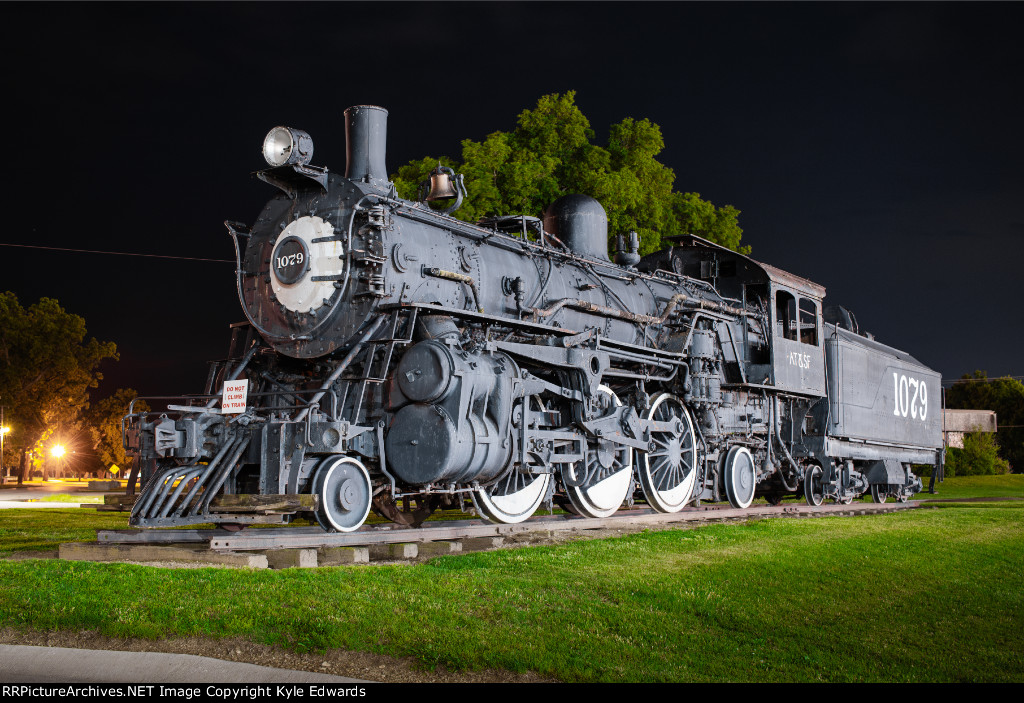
(366, 133)
(425, 372)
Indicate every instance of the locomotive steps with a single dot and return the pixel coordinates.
(311, 547)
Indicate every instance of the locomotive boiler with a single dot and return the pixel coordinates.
(396, 359)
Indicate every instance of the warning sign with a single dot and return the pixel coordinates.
(234, 396)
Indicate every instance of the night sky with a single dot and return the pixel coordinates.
(876, 148)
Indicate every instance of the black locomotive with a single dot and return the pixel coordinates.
(399, 360)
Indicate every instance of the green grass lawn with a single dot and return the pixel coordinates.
(1009, 485)
(957, 487)
(925, 595)
(68, 498)
(37, 529)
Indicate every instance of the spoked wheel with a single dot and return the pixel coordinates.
(517, 495)
(412, 511)
(740, 477)
(513, 498)
(879, 492)
(667, 471)
(345, 492)
(599, 484)
(814, 492)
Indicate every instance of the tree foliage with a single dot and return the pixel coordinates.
(979, 457)
(1003, 395)
(47, 367)
(104, 421)
(550, 153)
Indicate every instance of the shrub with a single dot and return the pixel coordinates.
(979, 457)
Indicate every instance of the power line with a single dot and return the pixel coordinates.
(954, 381)
(117, 253)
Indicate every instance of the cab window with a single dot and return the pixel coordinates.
(808, 322)
(785, 315)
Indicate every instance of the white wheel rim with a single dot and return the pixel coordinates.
(812, 497)
(740, 477)
(672, 499)
(344, 520)
(604, 497)
(510, 508)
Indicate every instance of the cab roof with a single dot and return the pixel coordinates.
(775, 275)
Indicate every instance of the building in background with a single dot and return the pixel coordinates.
(957, 422)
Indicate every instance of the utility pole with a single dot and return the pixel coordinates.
(4, 429)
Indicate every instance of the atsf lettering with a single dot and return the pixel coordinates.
(802, 361)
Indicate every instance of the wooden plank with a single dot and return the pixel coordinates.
(369, 535)
(263, 504)
(120, 499)
(163, 536)
(95, 551)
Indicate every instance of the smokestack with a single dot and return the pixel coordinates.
(366, 134)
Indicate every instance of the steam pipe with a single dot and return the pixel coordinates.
(777, 427)
(208, 471)
(461, 278)
(154, 487)
(674, 302)
(225, 471)
(340, 369)
(182, 482)
(586, 305)
(238, 369)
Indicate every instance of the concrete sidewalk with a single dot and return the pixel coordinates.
(42, 504)
(28, 664)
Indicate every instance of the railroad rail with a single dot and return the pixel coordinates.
(445, 530)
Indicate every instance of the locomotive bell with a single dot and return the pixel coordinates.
(441, 186)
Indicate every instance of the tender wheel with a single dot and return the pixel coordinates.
(667, 471)
(343, 485)
(599, 484)
(883, 491)
(814, 492)
(740, 477)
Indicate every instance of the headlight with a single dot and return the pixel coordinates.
(285, 145)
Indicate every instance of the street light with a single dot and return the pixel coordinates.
(58, 452)
(4, 429)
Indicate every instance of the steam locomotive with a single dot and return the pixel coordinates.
(396, 359)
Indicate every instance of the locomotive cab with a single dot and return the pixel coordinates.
(797, 355)
(780, 345)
